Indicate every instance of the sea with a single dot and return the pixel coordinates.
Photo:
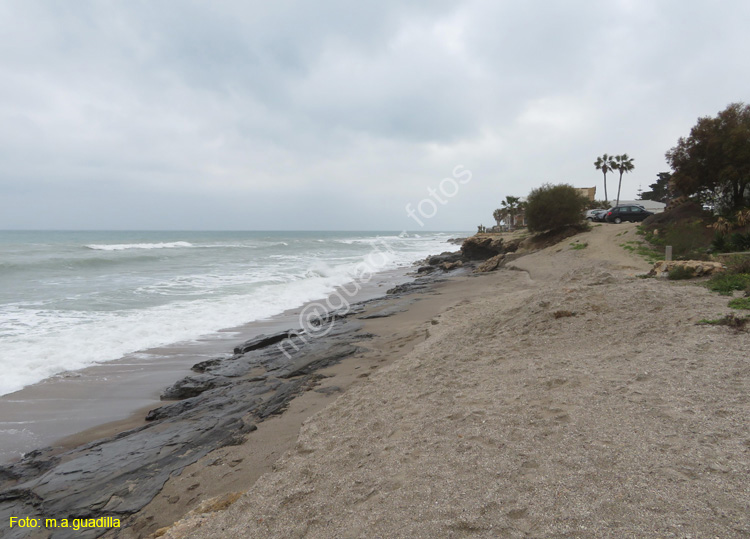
(69, 300)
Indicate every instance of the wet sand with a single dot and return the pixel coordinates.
(232, 469)
(89, 469)
(79, 406)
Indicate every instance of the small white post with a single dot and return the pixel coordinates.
(668, 253)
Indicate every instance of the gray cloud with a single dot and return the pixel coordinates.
(336, 114)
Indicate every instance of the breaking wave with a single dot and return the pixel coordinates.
(126, 246)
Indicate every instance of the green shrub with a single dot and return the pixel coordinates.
(738, 264)
(728, 243)
(684, 227)
(688, 241)
(726, 283)
(739, 241)
(730, 320)
(550, 207)
(678, 273)
(579, 246)
(720, 244)
(740, 303)
(643, 249)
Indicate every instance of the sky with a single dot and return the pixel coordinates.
(338, 115)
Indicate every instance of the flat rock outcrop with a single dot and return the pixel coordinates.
(698, 267)
(482, 247)
(490, 264)
(444, 258)
(491, 248)
(485, 246)
(217, 406)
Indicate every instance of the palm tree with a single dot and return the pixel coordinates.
(498, 215)
(511, 205)
(605, 163)
(722, 226)
(624, 164)
(743, 217)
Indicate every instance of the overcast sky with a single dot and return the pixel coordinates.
(336, 114)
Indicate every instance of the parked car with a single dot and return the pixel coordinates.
(595, 215)
(589, 215)
(634, 213)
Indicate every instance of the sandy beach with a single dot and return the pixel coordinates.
(561, 396)
(80, 406)
(374, 270)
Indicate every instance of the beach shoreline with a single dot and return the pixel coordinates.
(77, 407)
(230, 470)
(78, 446)
(96, 323)
(488, 404)
(563, 396)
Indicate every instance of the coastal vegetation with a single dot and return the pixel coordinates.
(709, 189)
(551, 207)
(611, 163)
(740, 303)
(736, 278)
(598, 205)
(605, 163)
(732, 234)
(728, 282)
(697, 234)
(510, 208)
(730, 320)
(643, 249)
(659, 189)
(623, 164)
(738, 264)
(685, 228)
(708, 192)
(712, 164)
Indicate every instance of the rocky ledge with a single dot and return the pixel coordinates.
(481, 253)
(216, 406)
(698, 268)
(484, 246)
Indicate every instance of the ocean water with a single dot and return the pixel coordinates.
(73, 299)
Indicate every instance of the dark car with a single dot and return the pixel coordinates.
(634, 213)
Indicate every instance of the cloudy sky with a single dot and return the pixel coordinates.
(336, 114)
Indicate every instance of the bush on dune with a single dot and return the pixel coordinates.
(551, 207)
(738, 264)
(684, 227)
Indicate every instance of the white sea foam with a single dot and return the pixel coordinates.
(126, 246)
(69, 317)
(55, 343)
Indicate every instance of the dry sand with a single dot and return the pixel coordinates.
(561, 397)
